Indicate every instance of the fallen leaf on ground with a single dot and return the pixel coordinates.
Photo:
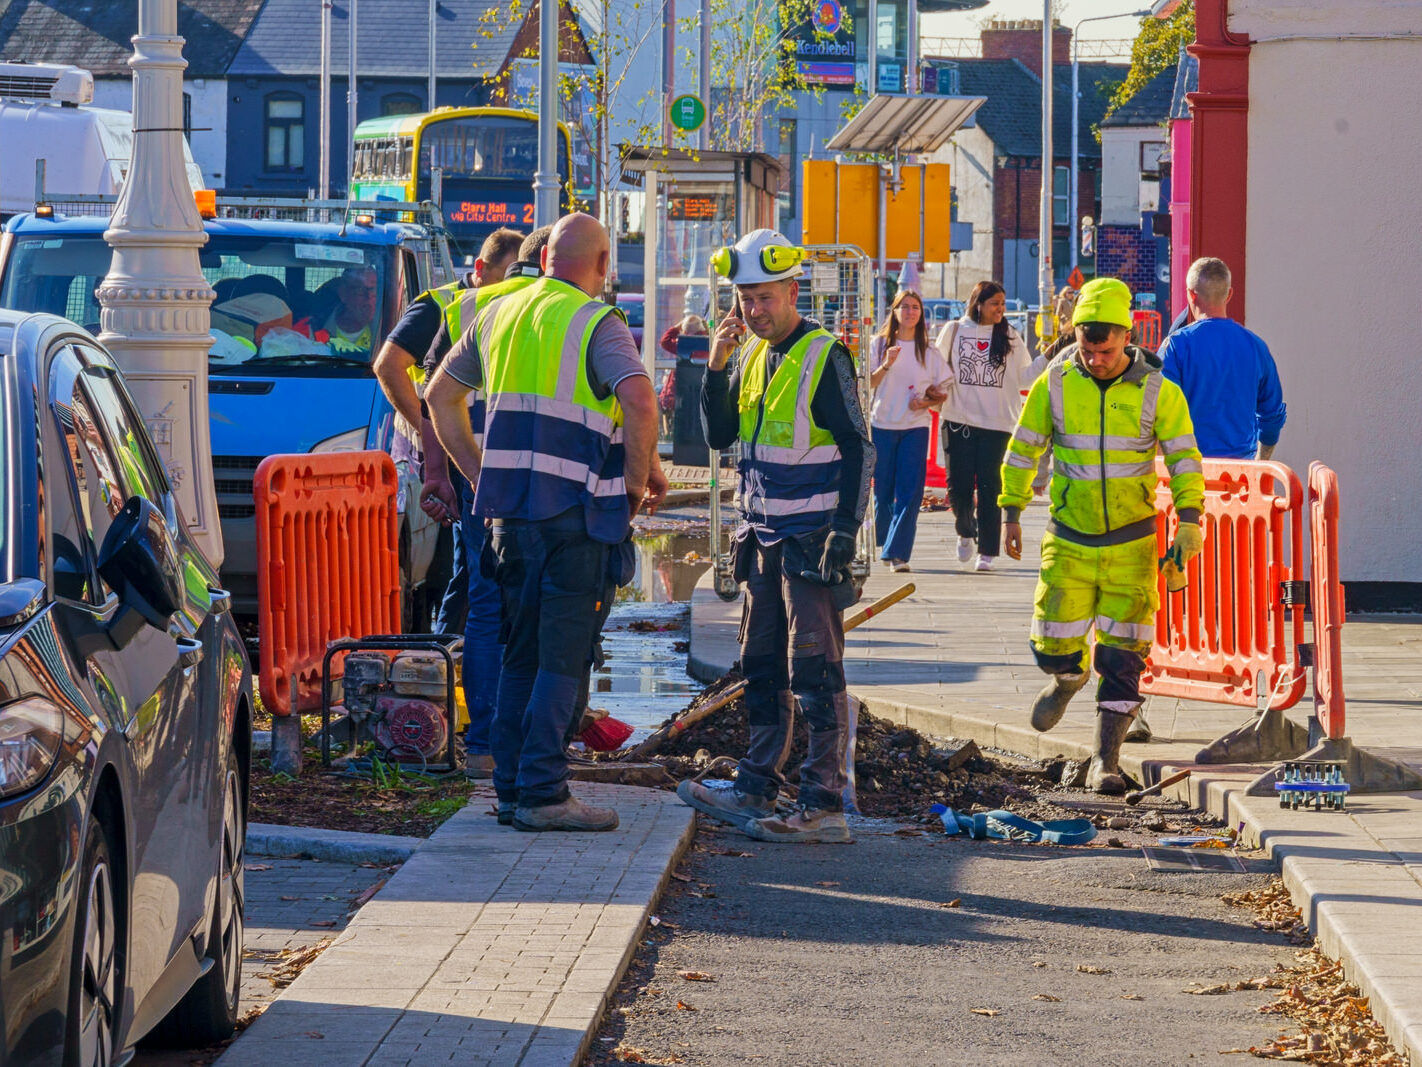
(985, 1011)
(290, 898)
(1132, 996)
(1086, 968)
(827, 883)
(1208, 990)
(1035, 963)
(682, 1005)
(908, 831)
(729, 852)
(696, 976)
(256, 866)
(1046, 996)
(315, 1033)
(681, 877)
(957, 902)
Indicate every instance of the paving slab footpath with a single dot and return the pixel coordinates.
(953, 660)
(488, 946)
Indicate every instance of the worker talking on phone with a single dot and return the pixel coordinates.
(806, 459)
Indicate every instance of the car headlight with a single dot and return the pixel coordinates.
(350, 441)
(30, 733)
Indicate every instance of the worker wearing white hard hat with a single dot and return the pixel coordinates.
(793, 403)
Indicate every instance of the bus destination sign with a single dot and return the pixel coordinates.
(699, 207)
(491, 213)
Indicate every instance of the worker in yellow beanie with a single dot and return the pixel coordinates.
(1102, 407)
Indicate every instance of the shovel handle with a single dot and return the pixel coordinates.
(1136, 797)
(888, 600)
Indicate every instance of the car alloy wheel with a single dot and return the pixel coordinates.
(231, 889)
(98, 982)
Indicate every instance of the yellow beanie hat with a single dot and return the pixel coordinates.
(1103, 300)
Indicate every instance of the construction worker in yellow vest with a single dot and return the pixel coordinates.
(806, 459)
(1103, 407)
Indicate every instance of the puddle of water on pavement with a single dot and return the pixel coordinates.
(645, 679)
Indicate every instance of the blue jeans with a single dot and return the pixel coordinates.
(552, 577)
(482, 651)
(900, 467)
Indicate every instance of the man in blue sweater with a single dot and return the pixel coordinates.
(1225, 371)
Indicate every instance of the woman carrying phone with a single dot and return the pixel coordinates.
(909, 379)
(990, 366)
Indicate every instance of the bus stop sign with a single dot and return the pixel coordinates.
(688, 113)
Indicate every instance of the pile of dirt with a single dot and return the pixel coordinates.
(402, 803)
(899, 773)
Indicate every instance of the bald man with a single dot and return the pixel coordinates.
(567, 459)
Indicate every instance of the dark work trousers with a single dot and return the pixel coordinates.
(482, 652)
(975, 467)
(551, 575)
(792, 651)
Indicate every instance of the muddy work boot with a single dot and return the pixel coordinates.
(1103, 773)
(805, 826)
(571, 814)
(1140, 731)
(722, 800)
(506, 812)
(478, 765)
(1052, 701)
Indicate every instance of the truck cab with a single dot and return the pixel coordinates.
(300, 310)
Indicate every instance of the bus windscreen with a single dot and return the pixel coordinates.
(489, 148)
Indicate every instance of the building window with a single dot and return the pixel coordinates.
(399, 104)
(286, 132)
(188, 116)
(1061, 189)
(790, 160)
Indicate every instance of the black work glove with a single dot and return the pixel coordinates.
(838, 553)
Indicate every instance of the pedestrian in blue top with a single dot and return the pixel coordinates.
(1225, 371)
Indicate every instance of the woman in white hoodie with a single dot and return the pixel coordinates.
(990, 366)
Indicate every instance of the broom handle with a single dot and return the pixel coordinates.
(695, 715)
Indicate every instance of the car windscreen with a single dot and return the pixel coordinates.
(285, 304)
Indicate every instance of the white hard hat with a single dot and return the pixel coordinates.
(759, 256)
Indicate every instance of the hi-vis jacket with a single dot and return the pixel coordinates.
(1103, 446)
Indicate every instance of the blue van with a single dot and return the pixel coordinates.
(300, 309)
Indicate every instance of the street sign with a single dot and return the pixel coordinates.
(688, 113)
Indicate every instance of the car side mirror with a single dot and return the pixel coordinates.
(139, 561)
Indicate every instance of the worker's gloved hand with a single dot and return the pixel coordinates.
(1189, 539)
(838, 553)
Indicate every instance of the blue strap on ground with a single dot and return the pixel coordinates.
(1010, 827)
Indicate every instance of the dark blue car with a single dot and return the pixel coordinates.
(125, 725)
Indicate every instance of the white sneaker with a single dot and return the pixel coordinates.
(899, 566)
(966, 547)
(984, 563)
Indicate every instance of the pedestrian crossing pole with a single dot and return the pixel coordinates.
(545, 181)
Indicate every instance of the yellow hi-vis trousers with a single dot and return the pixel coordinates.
(1111, 589)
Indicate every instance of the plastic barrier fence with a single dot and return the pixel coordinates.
(327, 564)
(1147, 329)
(937, 477)
(1326, 593)
(1229, 637)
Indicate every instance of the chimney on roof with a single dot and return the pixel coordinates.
(1022, 39)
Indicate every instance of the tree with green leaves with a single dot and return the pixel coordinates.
(1156, 48)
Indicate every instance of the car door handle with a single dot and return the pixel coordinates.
(221, 601)
(190, 652)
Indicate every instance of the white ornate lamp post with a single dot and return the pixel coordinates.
(155, 300)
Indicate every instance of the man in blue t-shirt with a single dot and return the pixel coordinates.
(1225, 371)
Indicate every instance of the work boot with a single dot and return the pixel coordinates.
(571, 814)
(1103, 773)
(805, 826)
(478, 765)
(506, 812)
(1052, 701)
(1140, 732)
(722, 800)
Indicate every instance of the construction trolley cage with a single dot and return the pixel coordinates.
(837, 290)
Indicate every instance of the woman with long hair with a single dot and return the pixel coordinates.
(909, 379)
(990, 366)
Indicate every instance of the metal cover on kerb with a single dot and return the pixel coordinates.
(1188, 860)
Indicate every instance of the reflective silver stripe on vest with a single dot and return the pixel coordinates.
(572, 354)
(1017, 459)
(1031, 438)
(778, 507)
(1048, 628)
(817, 348)
(796, 455)
(1149, 401)
(555, 407)
(1178, 444)
(1131, 631)
(1110, 441)
(1084, 472)
(1054, 393)
(571, 470)
(484, 330)
(1184, 465)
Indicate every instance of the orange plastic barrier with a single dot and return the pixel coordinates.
(937, 477)
(1230, 636)
(328, 564)
(1326, 592)
(1147, 326)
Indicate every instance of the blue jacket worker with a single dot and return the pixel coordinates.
(1225, 371)
(806, 459)
(565, 463)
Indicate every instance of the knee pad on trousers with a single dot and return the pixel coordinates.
(766, 679)
(1120, 670)
(816, 681)
(1060, 662)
